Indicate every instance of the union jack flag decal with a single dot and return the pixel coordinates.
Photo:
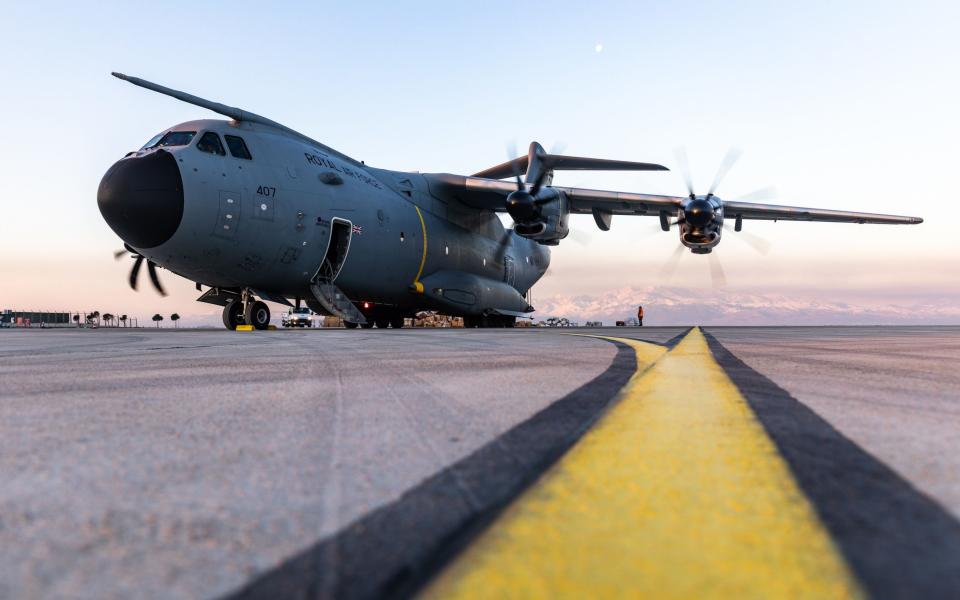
(357, 229)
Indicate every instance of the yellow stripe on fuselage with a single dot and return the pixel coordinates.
(423, 259)
(677, 492)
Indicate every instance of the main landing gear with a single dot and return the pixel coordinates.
(489, 321)
(246, 311)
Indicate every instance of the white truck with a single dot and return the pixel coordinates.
(297, 317)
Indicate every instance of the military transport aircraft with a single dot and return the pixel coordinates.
(256, 211)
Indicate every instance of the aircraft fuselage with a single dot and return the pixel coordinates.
(266, 223)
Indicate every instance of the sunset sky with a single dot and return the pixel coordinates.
(847, 105)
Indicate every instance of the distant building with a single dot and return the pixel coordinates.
(15, 318)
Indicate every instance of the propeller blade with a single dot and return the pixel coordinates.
(538, 182)
(683, 165)
(557, 147)
(135, 271)
(118, 253)
(512, 154)
(716, 272)
(152, 271)
(761, 195)
(733, 154)
(669, 267)
(756, 242)
(503, 244)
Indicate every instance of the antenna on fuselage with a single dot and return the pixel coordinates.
(237, 114)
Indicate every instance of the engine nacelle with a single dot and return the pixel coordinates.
(551, 224)
(701, 223)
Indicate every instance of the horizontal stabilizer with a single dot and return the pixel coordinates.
(556, 162)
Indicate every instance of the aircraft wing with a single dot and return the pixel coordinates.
(489, 194)
(771, 212)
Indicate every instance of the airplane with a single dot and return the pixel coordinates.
(256, 212)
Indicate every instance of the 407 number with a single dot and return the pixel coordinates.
(265, 190)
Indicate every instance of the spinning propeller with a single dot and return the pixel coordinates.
(698, 212)
(523, 205)
(135, 271)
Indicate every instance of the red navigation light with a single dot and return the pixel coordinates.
(366, 305)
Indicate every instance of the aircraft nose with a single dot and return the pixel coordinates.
(141, 198)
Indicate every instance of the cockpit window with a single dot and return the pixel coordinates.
(176, 138)
(153, 141)
(210, 142)
(237, 147)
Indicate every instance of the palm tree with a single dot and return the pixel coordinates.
(123, 320)
(175, 317)
(107, 318)
(76, 319)
(157, 319)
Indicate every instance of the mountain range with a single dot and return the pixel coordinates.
(676, 306)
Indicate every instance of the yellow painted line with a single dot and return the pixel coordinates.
(677, 492)
(417, 286)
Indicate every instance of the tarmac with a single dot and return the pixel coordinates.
(391, 463)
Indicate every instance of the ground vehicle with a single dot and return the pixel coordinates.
(298, 317)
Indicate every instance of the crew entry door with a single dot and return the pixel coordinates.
(338, 246)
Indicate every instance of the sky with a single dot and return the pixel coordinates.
(848, 105)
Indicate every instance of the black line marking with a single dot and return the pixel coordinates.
(394, 550)
(898, 541)
(672, 342)
(669, 344)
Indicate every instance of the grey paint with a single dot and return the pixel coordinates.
(264, 223)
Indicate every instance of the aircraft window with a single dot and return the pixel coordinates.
(153, 141)
(237, 147)
(210, 142)
(176, 138)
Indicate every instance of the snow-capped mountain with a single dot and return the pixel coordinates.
(674, 306)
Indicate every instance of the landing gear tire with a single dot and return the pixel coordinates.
(257, 314)
(367, 325)
(382, 323)
(350, 325)
(396, 322)
(233, 315)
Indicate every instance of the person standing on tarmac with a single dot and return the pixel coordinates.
(640, 315)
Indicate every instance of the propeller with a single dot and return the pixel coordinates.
(756, 242)
(683, 164)
(717, 276)
(761, 195)
(502, 245)
(523, 204)
(670, 267)
(135, 271)
(733, 155)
